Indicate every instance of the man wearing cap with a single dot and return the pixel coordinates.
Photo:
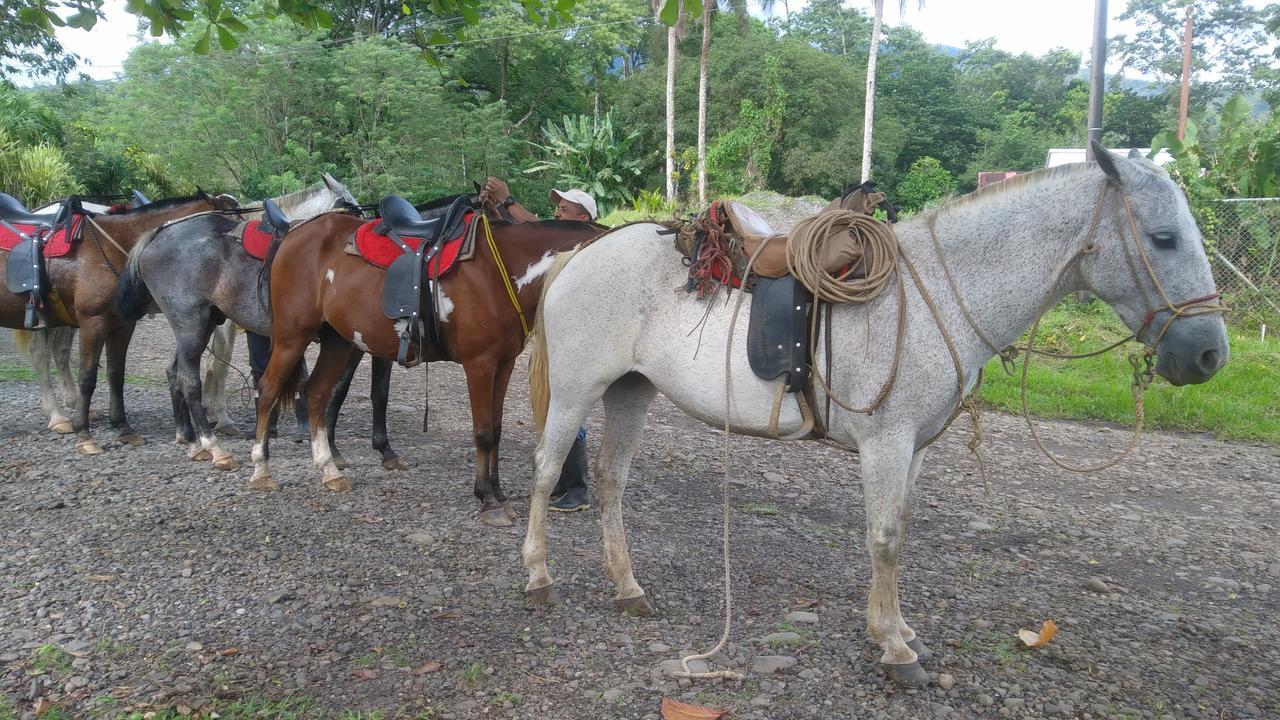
(570, 493)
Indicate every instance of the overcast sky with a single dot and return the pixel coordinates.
(1033, 26)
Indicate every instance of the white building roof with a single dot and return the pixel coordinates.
(1062, 156)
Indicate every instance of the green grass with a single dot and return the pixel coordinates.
(7, 711)
(10, 372)
(763, 509)
(1241, 403)
(472, 674)
(49, 659)
(626, 215)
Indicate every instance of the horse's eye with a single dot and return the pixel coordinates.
(1164, 241)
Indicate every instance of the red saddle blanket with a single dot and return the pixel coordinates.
(57, 245)
(382, 250)
(256, 241)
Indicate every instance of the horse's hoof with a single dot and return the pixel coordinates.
(60, 425)
(337, 483)
(228, 430)
(394, 463)
(921, 650)
(495, 517)
(545, 595)
(132, 438)
(341, 462)
(637, 607)
(263, 482)
(195, 453)
(509, 509)
(226, 463)
(88, 447)
(907, 674)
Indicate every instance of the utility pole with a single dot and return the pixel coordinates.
(1186, 74)
(1097, 77)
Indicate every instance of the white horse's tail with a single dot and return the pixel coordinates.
(539, 381)
(22, 340)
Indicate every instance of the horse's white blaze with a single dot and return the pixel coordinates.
(535, 271)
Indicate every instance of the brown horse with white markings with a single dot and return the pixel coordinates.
(319, 289)
(82, 289)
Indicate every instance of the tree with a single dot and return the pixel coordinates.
(873, 54)
(1229, 37)
(584, 153)
(926, 182)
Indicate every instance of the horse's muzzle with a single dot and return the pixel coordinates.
(1193, 350)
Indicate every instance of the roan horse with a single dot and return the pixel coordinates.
(1118, 228)
(199, 274)
(85, 285)
(319, 289)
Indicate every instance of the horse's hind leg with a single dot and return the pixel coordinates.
(38, 346)
(191, 343)
(381, 382)
(886, 480)
(60, 342)
(214, 395)
(626, 403)
(117, 350)
(563, 421)
(334, 353)
(184, 433)
(281, 377)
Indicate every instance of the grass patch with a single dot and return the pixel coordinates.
(7, 711)
(49, 659)
(10, 372)
(471, 676)
(764, 509)
(1242, 402)
(622, 216)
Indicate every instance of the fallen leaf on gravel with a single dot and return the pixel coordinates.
(430, 667)
(229, 651)
(676, 710)
(363, 674)
(78, 653)
(42, 707)
(1040, 639)
(182, 708)
(101, 578)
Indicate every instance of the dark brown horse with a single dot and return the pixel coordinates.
(82, 288)
(316, 288)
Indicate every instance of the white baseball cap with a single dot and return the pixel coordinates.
(575, 196)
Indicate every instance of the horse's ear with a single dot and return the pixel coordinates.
(1106, 161)
(331, 183)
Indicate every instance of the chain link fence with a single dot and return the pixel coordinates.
(1242, 238)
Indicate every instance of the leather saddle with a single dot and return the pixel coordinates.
(274, 222)
(406, 292)
(24, 272)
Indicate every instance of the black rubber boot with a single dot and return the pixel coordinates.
(571, 490)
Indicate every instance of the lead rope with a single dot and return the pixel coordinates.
(506, 277)
(684, 671)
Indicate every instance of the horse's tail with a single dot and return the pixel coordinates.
(22, 340)
(539, 380)
(132, 295)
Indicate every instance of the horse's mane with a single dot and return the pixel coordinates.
(164, 204)
(1020, 181)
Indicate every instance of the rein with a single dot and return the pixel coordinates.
(98, 234)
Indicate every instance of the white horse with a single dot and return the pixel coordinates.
(615, 322)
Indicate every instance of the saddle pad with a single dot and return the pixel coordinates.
(57, 245)
(380, 250)
(255, 240)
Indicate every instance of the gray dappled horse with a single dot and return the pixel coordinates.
(1118, 228)
(198, 275)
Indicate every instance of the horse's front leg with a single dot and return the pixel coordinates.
(909, 636)
(887, 466)
(481, 377)
(214, 394)
(92, 336)
(117, 351)
(334, 407)
(500, 381)
(39, 353)
(381, 385)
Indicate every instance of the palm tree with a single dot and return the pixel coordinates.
(868, 115)
(675, 31)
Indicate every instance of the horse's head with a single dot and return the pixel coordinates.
(222, 201)
(1150, 266)
(344, 197)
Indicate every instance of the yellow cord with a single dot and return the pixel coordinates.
(506, 277)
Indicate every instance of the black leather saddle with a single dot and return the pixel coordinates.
(274, 222)
(16, 213)
(406, 290)
(24, 272)
(778, 332)
(137, 199)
